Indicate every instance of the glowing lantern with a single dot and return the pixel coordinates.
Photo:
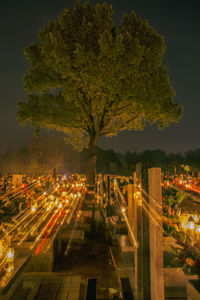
(63, 193)
(191, 224)
(60, 205)
(138, 197)
(10, 255)
(184, 221)
(123, 209)
(197, 227)
(10, 259)
(33, 209)
(196, 217)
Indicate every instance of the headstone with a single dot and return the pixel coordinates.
(156, 251)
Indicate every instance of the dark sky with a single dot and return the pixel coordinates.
(177, 20)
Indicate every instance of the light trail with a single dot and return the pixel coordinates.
(43, 230)
(152, 199)
(130, 229)
(34, 226)
(46, 226)
(2, 262)
(24, 217)
(21, 190)
(151, 209)
(151, 218)
(125, 217)
(47, 234)
(189, 195)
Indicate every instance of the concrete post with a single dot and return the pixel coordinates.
(156, 251)
(146, 239)
(130, 205)
(134, 228)
(139, 251)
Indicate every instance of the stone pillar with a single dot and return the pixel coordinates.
(134, 228)
(143, 252)
(139, 251)
(156, 251)
(130, 205)
(146, 240)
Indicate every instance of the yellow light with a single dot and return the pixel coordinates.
(123, 209)
(63, 193)
(10, 255)
(48, 207)
(67, 201)
(191, 225)
(197, 228)
(79, 194)
(72, 185)
(51, 197)
(56, 202)
(196, 218)
(60, 205)
(33, 209)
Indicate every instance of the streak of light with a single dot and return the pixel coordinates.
(21, 220)
(34, 227)
(151, 218)
(151, 198)
(151, 209)
(46, 226)
(48, 233)
(43, 230)
(130, 229)
(189, 195)
(2, 262)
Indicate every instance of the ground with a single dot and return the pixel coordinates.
(91, 259)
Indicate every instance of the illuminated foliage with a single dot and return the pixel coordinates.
(88, 78)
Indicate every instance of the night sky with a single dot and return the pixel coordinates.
(177, 20)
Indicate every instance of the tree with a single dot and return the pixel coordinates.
(88, 78)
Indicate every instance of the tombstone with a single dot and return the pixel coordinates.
(156, 251)
(139, 252)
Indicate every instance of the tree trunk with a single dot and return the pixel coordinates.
(91, 170)
(91, 173)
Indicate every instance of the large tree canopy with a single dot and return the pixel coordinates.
(89, 78)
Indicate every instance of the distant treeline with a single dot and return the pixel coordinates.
(50, 151)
